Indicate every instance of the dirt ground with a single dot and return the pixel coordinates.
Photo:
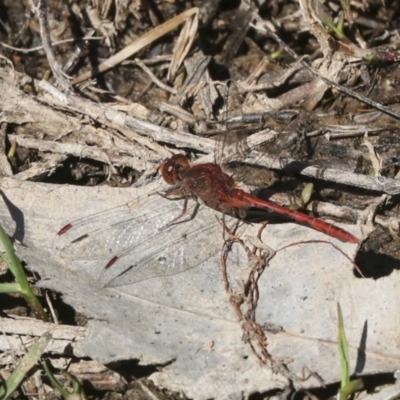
(314, 84)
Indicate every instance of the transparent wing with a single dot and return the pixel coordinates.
(109, 232)
(169, 252)
(137, 241)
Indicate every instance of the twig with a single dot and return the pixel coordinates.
(326, 242)
(51, 308)
(48, 87)
(154, 78)
(26, 51)
(60, 76)
(79, 150)
(4, 163)
(383, 184)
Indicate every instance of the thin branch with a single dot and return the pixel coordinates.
(60, 76)
(154, 79)
(26, 51)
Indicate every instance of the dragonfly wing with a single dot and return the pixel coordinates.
(112, 232)
(168, 253)
(136, 243)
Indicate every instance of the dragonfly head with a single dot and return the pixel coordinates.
(173, 169)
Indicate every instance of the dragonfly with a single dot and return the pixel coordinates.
(143, 245)
(219, 190)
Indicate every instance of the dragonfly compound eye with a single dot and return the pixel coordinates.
(172, 168)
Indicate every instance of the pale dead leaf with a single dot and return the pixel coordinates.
(375, 158)
(183, 45)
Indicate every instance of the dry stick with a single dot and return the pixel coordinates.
(5, 167)
(183, 45)
(26, 51)
(326, 242)
(139, 44)
(177, 111)
(38, 169)
(51, 308)
(353, 132)
(45, 35)
(383, 185)
(26, 327)
(79, 150)
(339, 87)
(153, 78)
(271, 84)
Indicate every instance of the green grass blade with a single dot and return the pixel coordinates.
(343, 350)
(10, 288)
(347, 387)
(15, 266)
(54, 381)
(350, 388)
(27, 362)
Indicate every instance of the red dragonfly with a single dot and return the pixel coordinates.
(218, 190)
(143, 243)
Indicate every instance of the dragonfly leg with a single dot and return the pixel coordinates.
(179, 219)
(168, 193)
